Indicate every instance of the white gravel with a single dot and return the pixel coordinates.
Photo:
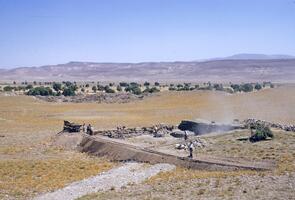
(114, 178)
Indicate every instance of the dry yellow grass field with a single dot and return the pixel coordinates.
(27, 124)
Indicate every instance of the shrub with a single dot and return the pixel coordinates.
(100, 87)
(146, 84)
(42, 91)
(107, 89)
(179, 86)
(19, 88)
(56, 86)
(151, 90)
(124, 84)
(235, 87)
(258, 86)
(157, 84)
(262, 132)
(29, 87)
(218, 87)
(133, 88)
(119, 88)
(94, 88)
(247, 87)
(68, 83)
(69, 91)
(8, 88)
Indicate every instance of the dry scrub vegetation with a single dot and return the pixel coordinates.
(24, 178)
(29, 165)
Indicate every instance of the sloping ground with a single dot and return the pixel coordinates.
(120, 151)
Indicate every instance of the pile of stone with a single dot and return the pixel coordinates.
(159, 130)
(197, 142)
(256, 122)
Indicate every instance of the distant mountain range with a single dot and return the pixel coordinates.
(247, 56)
(237, 68)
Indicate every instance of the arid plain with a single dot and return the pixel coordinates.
(30, 165)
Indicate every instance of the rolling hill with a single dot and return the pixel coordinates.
(238, 70)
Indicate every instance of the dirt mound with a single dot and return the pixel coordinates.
(118, 151)
(123, 132)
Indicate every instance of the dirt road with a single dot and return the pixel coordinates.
(116, 178)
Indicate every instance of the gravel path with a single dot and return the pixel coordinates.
(114, 178)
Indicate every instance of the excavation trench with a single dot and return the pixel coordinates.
(119, 151)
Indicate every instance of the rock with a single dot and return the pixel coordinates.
(248, 123)
(180, 146)
(180, 134)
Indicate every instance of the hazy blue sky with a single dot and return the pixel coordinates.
(39, 32)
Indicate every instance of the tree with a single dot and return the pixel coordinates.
(235, 87)
(136, 91)
(146, 84)
(247, 87)
(8, 88)
(100, 87)
(69, 91)
(258, 86)
(56, 86)
(157, 84)
(133, 88)
(42, 91)
(218, 87)
(68, 83)
(94, 88)
(29, 87)
(119, 88)
(123, 84)
(107, 89)
(151, 90)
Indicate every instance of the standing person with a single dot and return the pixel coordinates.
(84, 128)
(89, 130)
(191, 148)
(185, 135)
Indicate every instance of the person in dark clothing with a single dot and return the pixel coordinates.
(89, 130)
